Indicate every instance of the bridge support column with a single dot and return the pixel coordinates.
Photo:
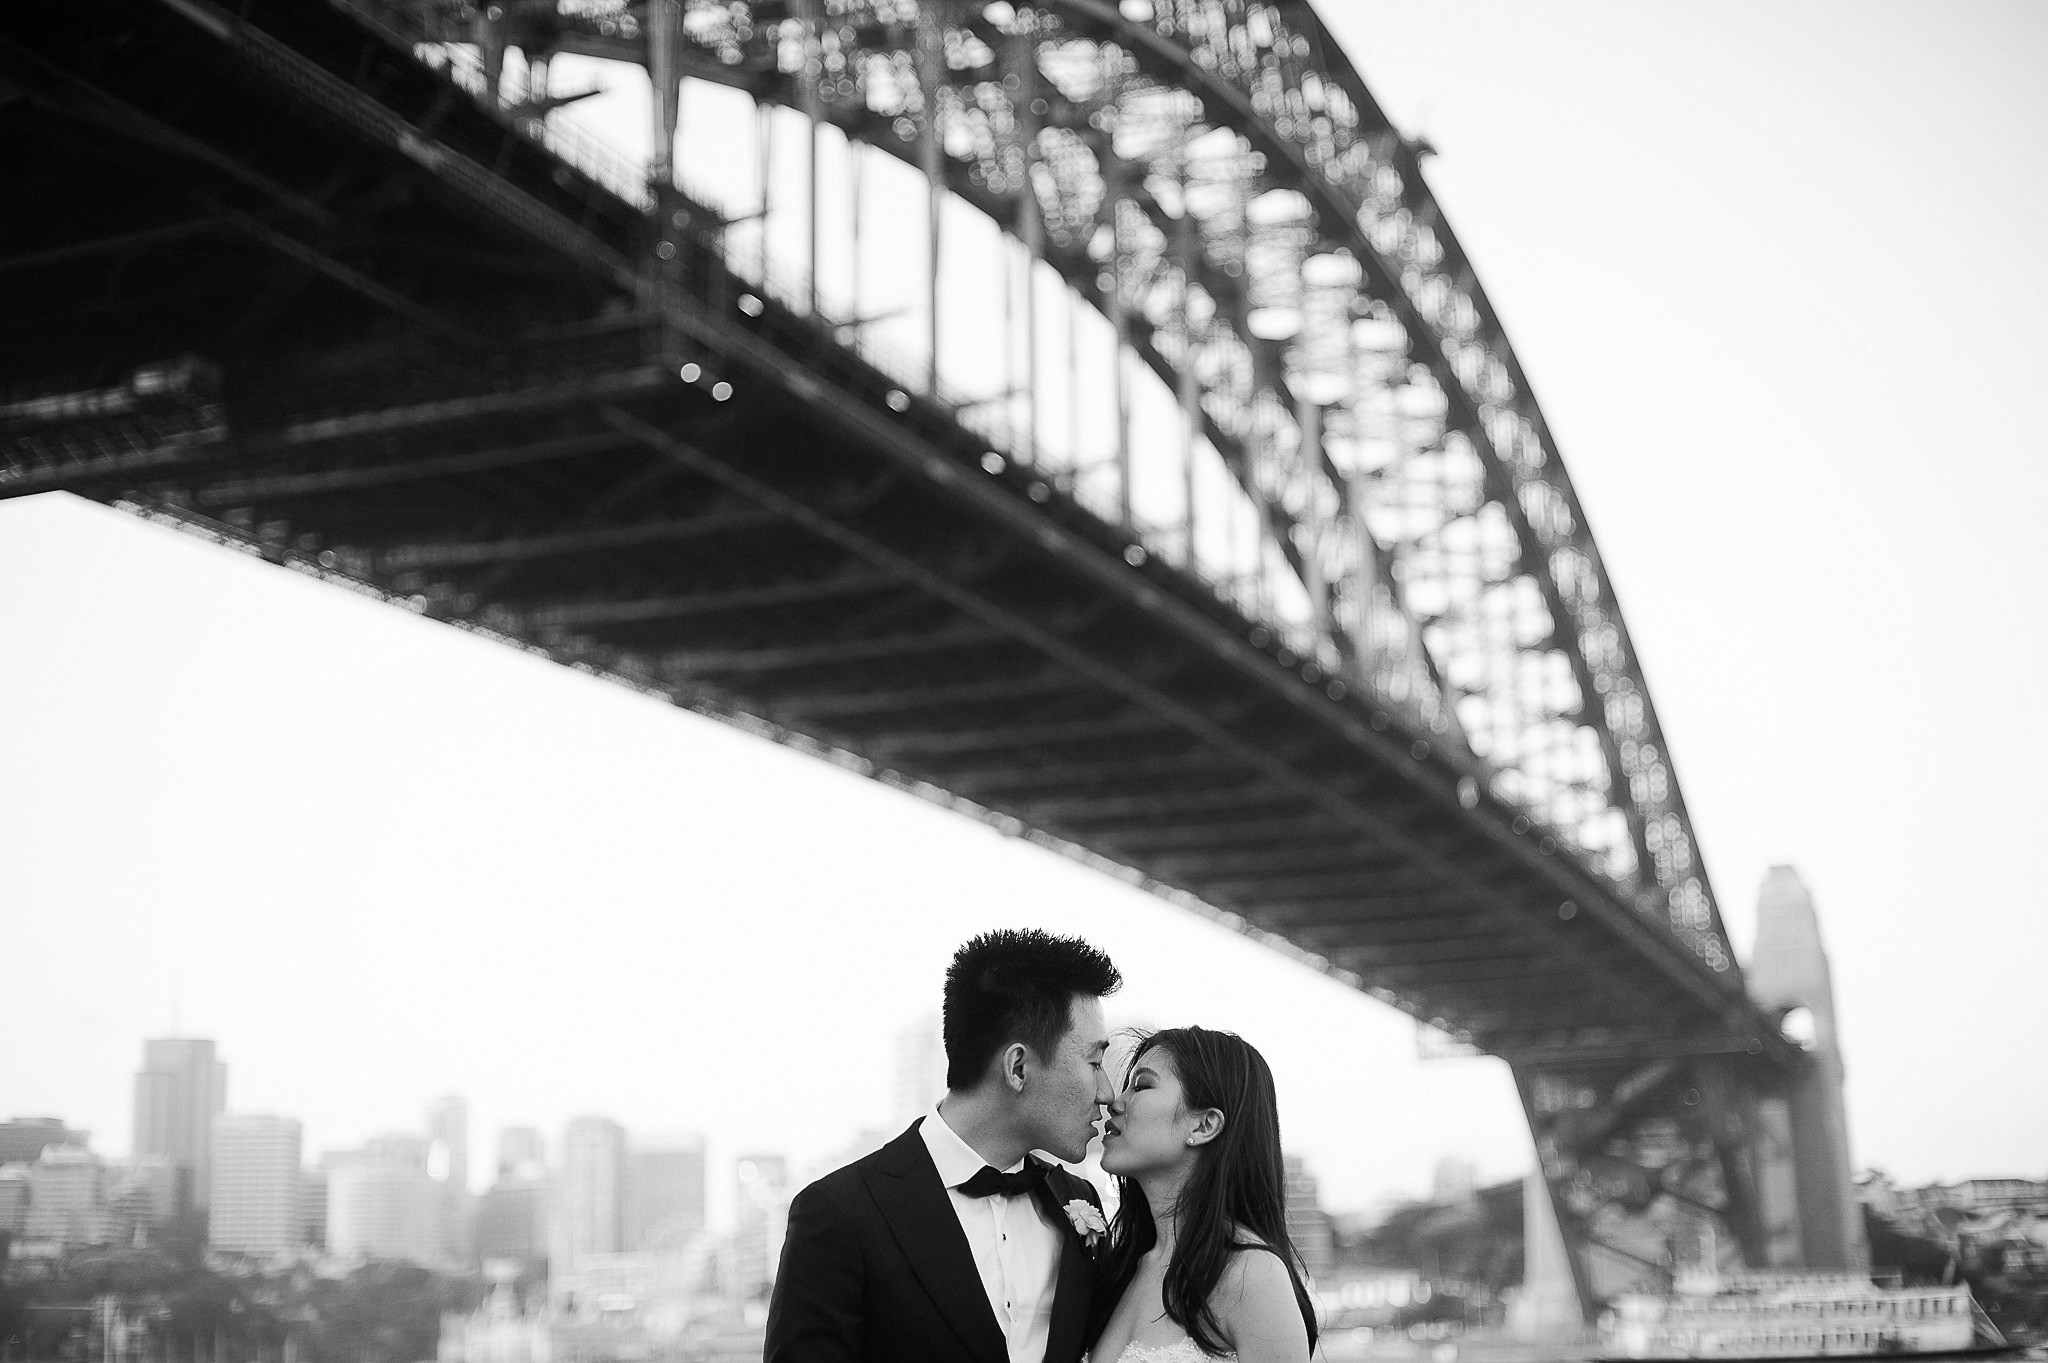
(1808, 1190)
(1547, 1308)
(1645, 1161)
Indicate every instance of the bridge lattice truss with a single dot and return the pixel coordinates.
(1215, 180)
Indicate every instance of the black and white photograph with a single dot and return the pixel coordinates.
(1022, 681)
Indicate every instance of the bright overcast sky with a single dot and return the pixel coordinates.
(1776, 275)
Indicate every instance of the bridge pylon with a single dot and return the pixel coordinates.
(1667, 1158)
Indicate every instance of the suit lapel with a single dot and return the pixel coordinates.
(905, 1186)
(1064, 1340)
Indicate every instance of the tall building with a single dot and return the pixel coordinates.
(383, 1210)
(761, 1217)
(67, 1202)
(448, 1141)
(590, 1194)
(521, 1153)
(180, 1089)
(23, 1140)
(399, 1150)
(14, 1179)
(448, 1162)
(920, 1078)
(1308, 1225)
(512, 1222)
(145, 1187)
(313, 1207)
(256, 1186)
(664, 1193)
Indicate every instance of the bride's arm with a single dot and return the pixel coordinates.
(1255, 1305)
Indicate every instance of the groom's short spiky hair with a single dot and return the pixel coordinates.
(1016, 984)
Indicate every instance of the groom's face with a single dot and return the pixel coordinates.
(1069, 1087)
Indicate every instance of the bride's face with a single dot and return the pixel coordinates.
(1149, 1124)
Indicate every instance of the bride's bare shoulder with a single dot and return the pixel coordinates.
(1256, 1306)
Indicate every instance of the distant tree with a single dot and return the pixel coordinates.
(1916, 1258)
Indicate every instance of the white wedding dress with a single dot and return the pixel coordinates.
(1184, 1351)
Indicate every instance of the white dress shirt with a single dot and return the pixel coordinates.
(1016, 1249)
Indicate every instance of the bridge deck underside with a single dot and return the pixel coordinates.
(419, 394)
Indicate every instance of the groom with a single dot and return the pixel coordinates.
(951, 1244)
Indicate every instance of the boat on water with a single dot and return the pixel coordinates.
(1799, 1316)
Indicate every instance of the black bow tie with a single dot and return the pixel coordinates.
(988, 1182)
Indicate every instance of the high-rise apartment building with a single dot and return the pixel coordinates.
(664, 1193)
(256, 1186)
(590, 1194)
(180, 1089)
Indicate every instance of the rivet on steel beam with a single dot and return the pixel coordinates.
(1567, 911)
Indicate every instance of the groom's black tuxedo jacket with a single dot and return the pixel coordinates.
(875, 1267)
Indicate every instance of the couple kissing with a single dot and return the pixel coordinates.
(956, 1243)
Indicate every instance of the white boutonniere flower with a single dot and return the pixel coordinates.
(1088, 1222)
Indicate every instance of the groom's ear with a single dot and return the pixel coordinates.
(1015, 1061)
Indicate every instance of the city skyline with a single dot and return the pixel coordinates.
(586, 902)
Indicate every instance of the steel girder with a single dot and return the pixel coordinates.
(1214, 177)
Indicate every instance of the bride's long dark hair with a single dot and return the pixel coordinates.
(1238, 1186)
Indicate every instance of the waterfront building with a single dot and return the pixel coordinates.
(181, 1088)
(67, 1198)
(590, 1196)
(23, 1139)
(256, 1185)
(664, 1193)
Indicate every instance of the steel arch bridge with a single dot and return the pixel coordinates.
(1302, 627)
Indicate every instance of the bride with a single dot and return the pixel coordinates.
(1198, 1264)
